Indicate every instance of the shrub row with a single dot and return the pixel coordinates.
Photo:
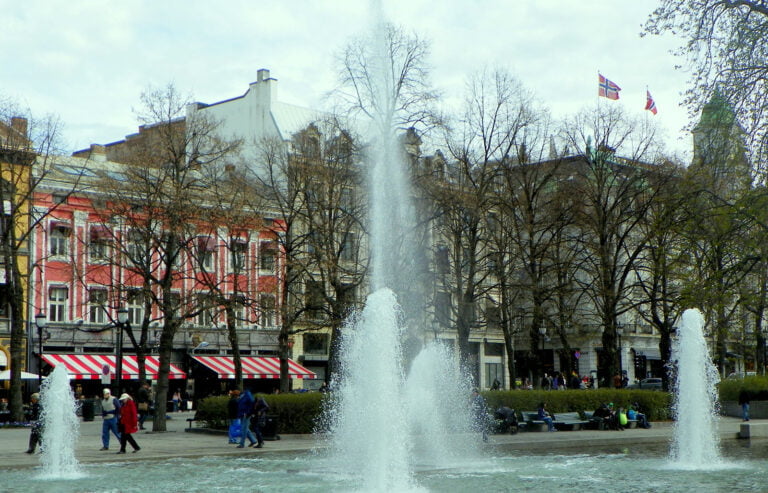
(296, 413)
(299, 413)
(756, 386)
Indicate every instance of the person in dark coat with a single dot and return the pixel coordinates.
(260, 409)
(744, 399)
(234, 422)
(36, 433)
(142, 403)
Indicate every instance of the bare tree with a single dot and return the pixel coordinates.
(496, 114)
(160, 190)
(28, 148)
(612, 200)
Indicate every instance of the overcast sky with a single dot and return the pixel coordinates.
(88, 61)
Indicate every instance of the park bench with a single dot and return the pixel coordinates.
(569, 421)
(532, 422)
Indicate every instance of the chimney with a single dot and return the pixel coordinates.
(98, 152)
(19, 125)
(262, 75)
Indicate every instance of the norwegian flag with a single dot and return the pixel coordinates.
(608, 89)
(650, 104)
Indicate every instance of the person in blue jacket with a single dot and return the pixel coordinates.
(244, 413)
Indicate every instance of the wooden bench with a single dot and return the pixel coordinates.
(569, 421)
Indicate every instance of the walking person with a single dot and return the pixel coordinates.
(142, 403)
(36, 433)
(244, 413)
(176, 401)
(234, 422)
(260, 409)
(110, 411)
(129, 423)
(744, 399)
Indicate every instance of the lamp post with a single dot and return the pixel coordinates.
(542, 335)
(40, 322)
(122, 323)
(620, 331)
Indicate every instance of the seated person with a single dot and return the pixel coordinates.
(604, 416)
(545, 416)
(633, 413)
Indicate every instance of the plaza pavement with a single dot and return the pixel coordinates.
(176, 442)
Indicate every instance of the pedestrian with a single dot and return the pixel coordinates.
(142, 403)
(129, 423)
(260, 409)
(744, 399)
(480, 411)
(110, 411)
(234, 421)
(36, 433)
(176, 400)
(244, 413)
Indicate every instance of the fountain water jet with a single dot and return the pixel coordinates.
(695, 445)
(60, 427)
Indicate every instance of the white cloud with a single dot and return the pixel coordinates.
(88, 61)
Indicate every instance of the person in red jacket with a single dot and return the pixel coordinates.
(129, 423)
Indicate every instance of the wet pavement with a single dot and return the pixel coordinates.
(177, 442)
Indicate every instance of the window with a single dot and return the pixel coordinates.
(441, 259)
(97, 306)
(135, 308)
(267, 254)
(57, 304)
(238, 249)
(443, 308)
(316, 343)
(99, 245)
(205, 248)
(314, 298)
(59, 239)
(239, 312)
(494, 371)
(267, 305)
(492, 315)
(135, 246)
(348, 248)
(205, 315)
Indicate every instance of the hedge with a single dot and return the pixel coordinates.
(295, 412)
(756, 386)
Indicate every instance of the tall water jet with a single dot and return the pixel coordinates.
(381, 423)
(60, 427)
(695, 444)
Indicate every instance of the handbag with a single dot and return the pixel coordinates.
(143, 406)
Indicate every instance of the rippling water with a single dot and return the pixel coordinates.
(638, 469)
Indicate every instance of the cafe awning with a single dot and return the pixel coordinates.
(253, 367)
(93, 366)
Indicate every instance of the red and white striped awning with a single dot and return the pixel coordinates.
(253, 367)
(92, 366)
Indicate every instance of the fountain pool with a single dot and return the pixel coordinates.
(615, 468)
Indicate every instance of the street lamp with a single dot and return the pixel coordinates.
(202, 345)
(620, 331)
(40, 323)
(122, 323)
(542, 336)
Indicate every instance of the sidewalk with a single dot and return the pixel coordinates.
(177, 443)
